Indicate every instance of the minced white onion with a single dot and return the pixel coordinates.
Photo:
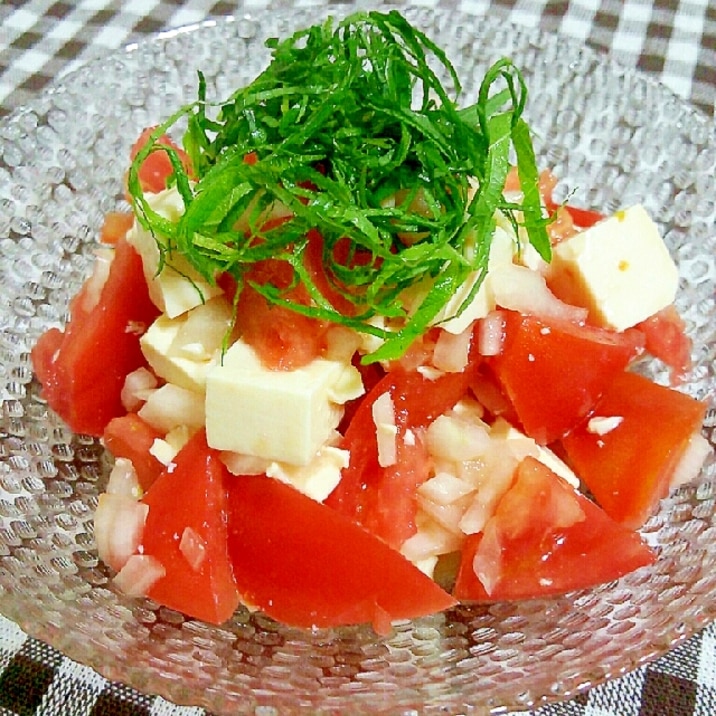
(490, 333)
(383, 412)
(691, 462)
(452, 351)
(444, 488)
(193, 547)
(123, 479)
(520, 289)
(100, 273)
(139, 574)
(430, 540)
(137, 387)
(118, 528)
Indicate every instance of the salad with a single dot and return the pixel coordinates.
(354, 363)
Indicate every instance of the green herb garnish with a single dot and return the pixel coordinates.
(353, 131)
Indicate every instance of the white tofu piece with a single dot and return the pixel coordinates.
(317, 479)
(181, 350)
(620, 269)
(279, 415)
(178, 287)
(502, 251)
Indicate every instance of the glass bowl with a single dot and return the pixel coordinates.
(614, 138)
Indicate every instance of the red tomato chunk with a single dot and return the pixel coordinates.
(306, 565)
(628, 469)
(187, 504)
(82, 370)
(555, 372)
(545, 538)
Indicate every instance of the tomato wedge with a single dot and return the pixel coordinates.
(382, 499)
(545, 538)
(186, 531)
(305, 565)
(554, 372)
(628, 468)
(131, 437)
(82, 370)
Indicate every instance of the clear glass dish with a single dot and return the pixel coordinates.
(613, 136)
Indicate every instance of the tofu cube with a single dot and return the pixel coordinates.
(620, 269)
(285, 416)
(178, 287)
(182, 349)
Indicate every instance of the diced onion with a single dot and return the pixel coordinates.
(457, 439)
(452, 351)
(444, 488)
(95, 283)
(137, 387)
(118, 528)
(689, 466)
(601, 425)
(386, 432)
(490, 333)
(139, 574)
(430, 540)
(171, 406)
(123, 479)
(193, 547)
(518, 288)
(487, 563)
(163, 451)
(447, 516)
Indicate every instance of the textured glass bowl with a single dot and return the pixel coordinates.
(614, 137)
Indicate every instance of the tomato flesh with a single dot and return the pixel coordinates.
(545, 538)
(305, 565)
(116, 225)
(283, 339)
(628, 469)
(130, 437)
(192, 495)
(554, 372)
(83, 369)
(156, 167)
(666, 339)
(383, 499)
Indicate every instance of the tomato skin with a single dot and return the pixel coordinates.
(629, 468)
(567, 220)
(192, 494)
(82, 370)
(131, 437)
(382, 499)
(554, 372)
(156, 168)
(666, 339)
(305, 565)
(550, 540)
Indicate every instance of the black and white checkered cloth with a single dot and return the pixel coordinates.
(41, 40)
(35, 680)
(673, 40)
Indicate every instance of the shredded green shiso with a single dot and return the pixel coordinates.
(347, 115)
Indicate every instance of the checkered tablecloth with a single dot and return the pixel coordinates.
(41, 40)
